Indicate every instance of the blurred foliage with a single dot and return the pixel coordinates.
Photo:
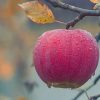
(15, 50)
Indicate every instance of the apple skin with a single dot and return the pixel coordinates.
(66, 58)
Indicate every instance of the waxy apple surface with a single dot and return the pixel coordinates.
(66, 58)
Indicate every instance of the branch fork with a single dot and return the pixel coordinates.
(82, 12)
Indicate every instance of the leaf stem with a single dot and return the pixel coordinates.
(60, 22)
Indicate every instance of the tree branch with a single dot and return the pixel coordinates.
(97, 37)
(82, 12)
(88, 88)
(58, 3)
(95, 97)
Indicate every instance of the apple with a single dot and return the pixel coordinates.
(66, 58)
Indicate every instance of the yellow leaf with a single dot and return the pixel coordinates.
(95, 1)
(38, 12)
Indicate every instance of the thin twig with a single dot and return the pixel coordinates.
(87, 94)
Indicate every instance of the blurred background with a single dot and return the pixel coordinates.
(18, 35)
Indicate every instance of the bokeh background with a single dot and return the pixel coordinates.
(18, 35)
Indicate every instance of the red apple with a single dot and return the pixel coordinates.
(66, 58)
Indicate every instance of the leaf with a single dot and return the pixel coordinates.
(97, 6)
(38, 12)
(95, 1)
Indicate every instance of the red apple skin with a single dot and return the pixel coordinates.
(66, 58)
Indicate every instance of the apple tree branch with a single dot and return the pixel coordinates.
(82, 12)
